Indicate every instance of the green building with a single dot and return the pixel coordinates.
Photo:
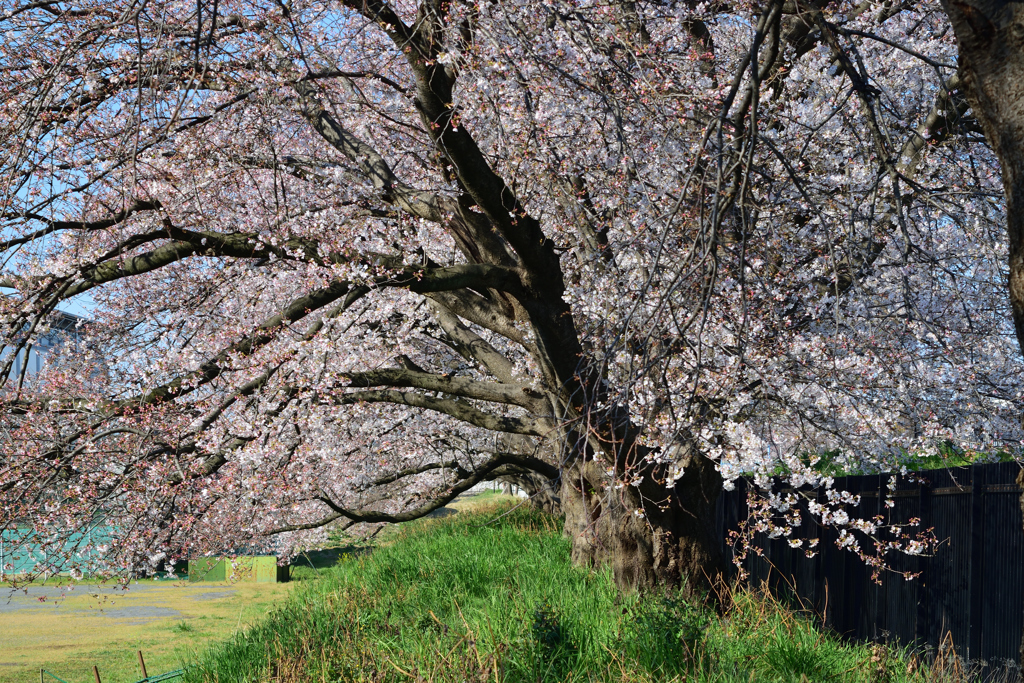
(246, 569)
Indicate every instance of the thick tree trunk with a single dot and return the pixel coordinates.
(649, 535)
(990, 35)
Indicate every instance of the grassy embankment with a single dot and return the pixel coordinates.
(491, 596)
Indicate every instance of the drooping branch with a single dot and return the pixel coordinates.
(460, 471)
(500, 465)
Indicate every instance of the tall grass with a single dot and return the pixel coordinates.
(492, 596)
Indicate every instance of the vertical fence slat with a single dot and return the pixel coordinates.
(1002, 576)
(925, 597)
(977, 559)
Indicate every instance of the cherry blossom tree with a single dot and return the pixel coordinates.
(349, 259)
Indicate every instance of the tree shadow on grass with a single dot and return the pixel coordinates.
(307, 565)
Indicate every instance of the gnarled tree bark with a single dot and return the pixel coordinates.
(648, 534)
(990, 35)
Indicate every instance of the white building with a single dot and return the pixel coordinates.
(64, 327)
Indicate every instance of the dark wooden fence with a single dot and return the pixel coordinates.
(969, 593)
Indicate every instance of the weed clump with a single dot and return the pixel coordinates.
(183, 627)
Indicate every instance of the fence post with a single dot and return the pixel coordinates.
(875, 594)
(820, 582)
(142, 665)
(977, 559)
(925, 594)
(96, 673)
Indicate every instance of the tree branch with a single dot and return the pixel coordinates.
(502, 464)
(456, 408)
(472, 346)
(522, 395)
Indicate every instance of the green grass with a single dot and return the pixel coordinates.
(492, 596)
